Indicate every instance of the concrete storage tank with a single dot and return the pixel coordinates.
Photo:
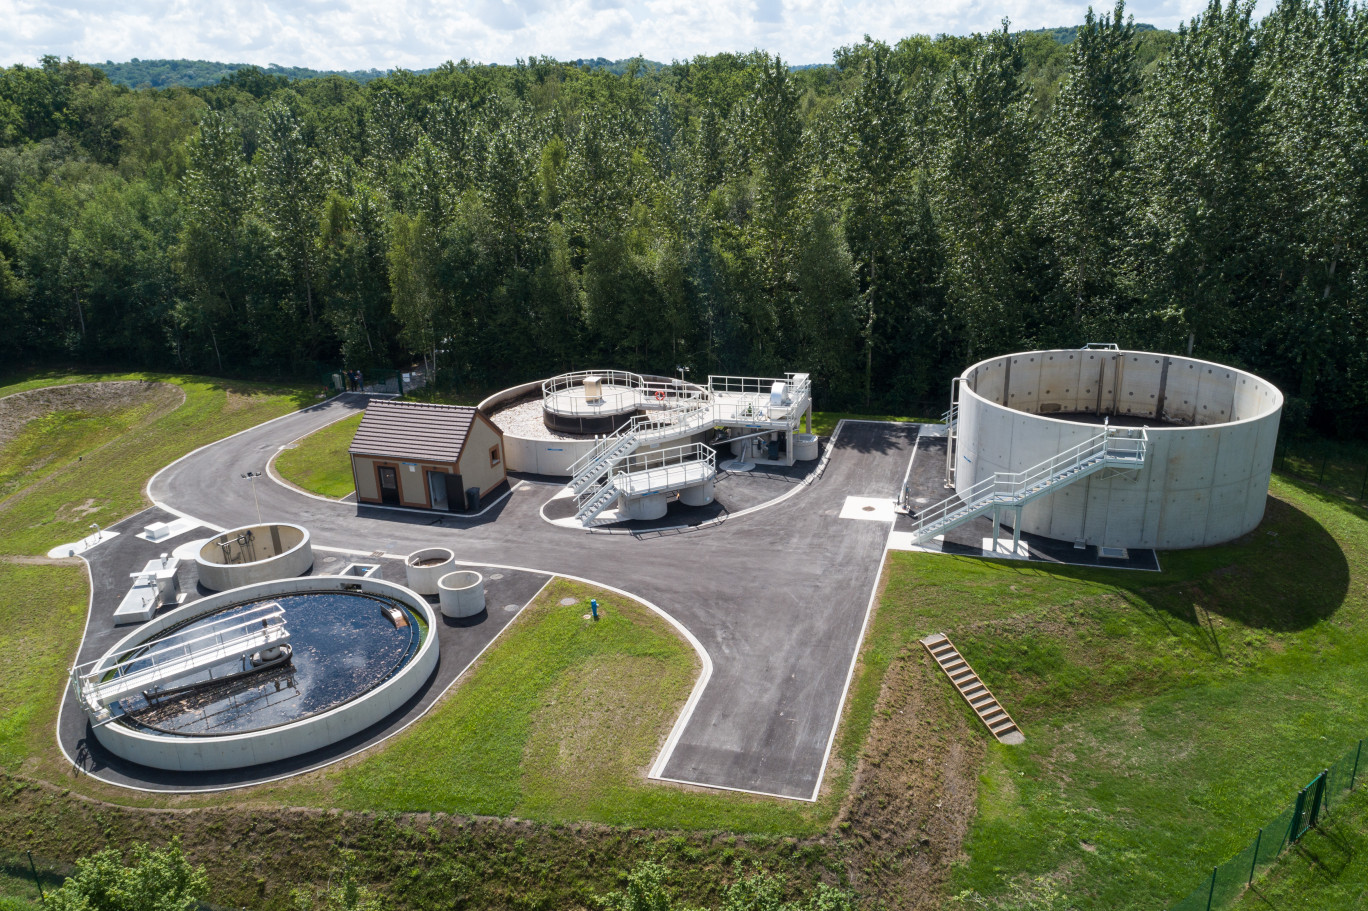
(1211, 430)
(254, 553)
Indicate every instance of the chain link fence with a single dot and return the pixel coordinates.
(1228, 881)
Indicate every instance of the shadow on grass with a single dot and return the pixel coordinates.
(1288, 574)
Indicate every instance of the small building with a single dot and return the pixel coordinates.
(426, 456)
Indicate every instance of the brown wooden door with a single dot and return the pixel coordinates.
(389, 485)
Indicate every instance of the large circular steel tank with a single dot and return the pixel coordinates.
(1212, 433)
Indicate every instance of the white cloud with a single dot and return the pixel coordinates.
(355, 34)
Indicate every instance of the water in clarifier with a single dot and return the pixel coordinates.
(343, 647)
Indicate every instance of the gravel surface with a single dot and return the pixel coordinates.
(524, 420)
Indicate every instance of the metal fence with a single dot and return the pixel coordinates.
(1339, 467)
(374, 381)
(1321, 795)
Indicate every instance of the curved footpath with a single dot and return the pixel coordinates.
(778, 599)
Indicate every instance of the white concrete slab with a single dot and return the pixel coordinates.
(173, 529)
(872, 509)
(76, 548)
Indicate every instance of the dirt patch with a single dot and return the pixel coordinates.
(915, 790)
(95, 398)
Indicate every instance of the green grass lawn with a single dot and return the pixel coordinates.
(60, 505)
(1326, 871)
(319, 463)
(824, 422)
(1166, 715)
(559, 722)
(42, 613)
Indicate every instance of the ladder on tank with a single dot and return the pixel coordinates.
(951, 419)
(1112, 448)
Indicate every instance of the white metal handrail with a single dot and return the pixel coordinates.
(666, 469)
(98, 684)
(1014, 488)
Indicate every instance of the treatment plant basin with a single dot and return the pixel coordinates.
(260, 673)
(254, 553)
(1208, 432)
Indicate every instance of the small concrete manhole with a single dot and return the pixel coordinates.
(329, 561)
(497, 576)
(510, 607)
(567, 602)
(868, 508)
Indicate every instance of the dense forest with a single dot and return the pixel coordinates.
(879, 222)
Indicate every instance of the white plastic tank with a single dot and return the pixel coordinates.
(426, 567)
(461, 594)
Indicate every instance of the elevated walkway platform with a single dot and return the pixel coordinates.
(99, 686)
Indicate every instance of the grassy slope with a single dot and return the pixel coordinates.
(62, 505)
(1166, 715)
(1326, 871)
(319, 462)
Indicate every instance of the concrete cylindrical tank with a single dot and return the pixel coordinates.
(461, 594)
(426, 567)
(652, 506)
(698, 495)
(254, 553)
(1212, 431)
(804, 447)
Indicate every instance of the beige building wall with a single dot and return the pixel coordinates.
(474, 465)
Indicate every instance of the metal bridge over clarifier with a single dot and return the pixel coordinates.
(1113, 448)
(100, 684)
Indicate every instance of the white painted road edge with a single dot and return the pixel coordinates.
(864, 627)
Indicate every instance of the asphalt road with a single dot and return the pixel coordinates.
(777, 599)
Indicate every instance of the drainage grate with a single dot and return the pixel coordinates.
(1113, 553)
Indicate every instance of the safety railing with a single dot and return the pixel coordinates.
(665, 469)
(100, 682)
(1011, 488)
(619, 391)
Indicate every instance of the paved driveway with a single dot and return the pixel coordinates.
(777, 599)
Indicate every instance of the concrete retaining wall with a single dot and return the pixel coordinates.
(232, 751)
(1202, 484)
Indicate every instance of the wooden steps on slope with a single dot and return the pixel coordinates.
(983, 702)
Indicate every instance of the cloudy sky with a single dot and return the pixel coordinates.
(361, 34)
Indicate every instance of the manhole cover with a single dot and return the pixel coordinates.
(497, 576)
(868, 508)
(566, 602)
(510, 607)
(329, 560)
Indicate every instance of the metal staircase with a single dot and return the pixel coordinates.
(597, 502)
(1012, 490)
(611, 450)
(983, 702)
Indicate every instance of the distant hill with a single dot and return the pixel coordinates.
(1065, 34)
(160, 74)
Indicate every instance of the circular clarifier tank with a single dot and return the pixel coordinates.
(261, 673)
